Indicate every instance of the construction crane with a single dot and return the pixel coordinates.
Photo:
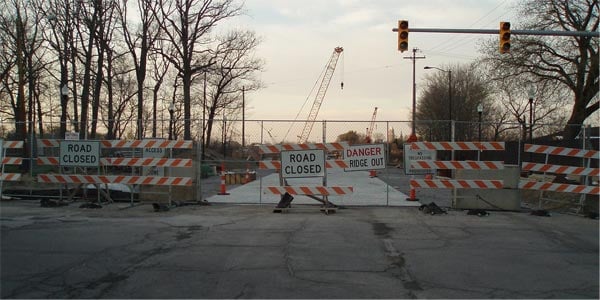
(320, 95)
(368, 139)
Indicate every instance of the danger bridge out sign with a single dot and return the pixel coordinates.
(303, 163)
(365, 157)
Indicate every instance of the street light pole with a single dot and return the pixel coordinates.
(531, 96)
(413, 135)
(479, 111)
(224, 135)
(171, 112)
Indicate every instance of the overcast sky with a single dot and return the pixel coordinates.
(298, 38)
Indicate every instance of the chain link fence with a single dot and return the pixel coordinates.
(230, 145)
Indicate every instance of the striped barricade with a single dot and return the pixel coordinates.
(54, 143)
(311, 190)
(473, 146)
(276, 165)
(10, 160)
(272, 149)
(583, 189)
(131, 162)
(456, 165)
(143, 163)
(105, 179)
(559, 187)
(560, 169)
(456, 184)
(552, 150)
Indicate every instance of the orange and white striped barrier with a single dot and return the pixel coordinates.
(310, 190)
(8, 160)
(271, 149)
(105, 179)
(10, 177)
(146, 144)
(560, 169)
(132, 162)
(49, 143)
(147, 161)
(475, 146)
(453, 164)
(456, 184)
(551, 150)
(276, 165)
(12, 144)
(12, 160)
(44, 160)
(559, 187)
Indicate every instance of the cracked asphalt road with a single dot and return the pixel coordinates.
(246, 251)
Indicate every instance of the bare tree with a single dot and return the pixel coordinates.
(234, 70)
(160, 70)
(570, 62)
(187, 25)
(139, 44)
(91, 16)
(14, 25)
(468, 90)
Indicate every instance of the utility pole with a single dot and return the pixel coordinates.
(414, 57)
(243, 117)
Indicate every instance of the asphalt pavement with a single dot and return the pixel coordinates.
(247, 251)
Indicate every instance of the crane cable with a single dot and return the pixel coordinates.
(342, 73)
(305, 101)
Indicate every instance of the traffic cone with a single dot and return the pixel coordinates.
(412, 196)
(372, 173)
(247, 177)
(223, 186)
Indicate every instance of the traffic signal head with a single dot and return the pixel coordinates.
(504, 37)
(402, 35)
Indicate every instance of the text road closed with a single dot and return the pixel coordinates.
(304, 163)
(80, 153)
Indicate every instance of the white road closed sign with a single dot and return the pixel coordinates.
(303, 163)
(80, 153)
(365, 157)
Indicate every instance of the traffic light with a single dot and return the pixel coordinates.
(504, 37)
(402, 35)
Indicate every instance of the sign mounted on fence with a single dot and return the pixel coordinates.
(79, 153)
(71, 135)
(365, 157)
(154, 153)
(303, 163)
(411, 155)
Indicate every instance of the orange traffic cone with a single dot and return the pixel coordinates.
(412, 196)
(223, 186)
(247, 176)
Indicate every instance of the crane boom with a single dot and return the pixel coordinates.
(320, 95)
(371, 126)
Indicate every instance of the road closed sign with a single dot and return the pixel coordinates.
(365, 157)
(303, 163)
(79, 153)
